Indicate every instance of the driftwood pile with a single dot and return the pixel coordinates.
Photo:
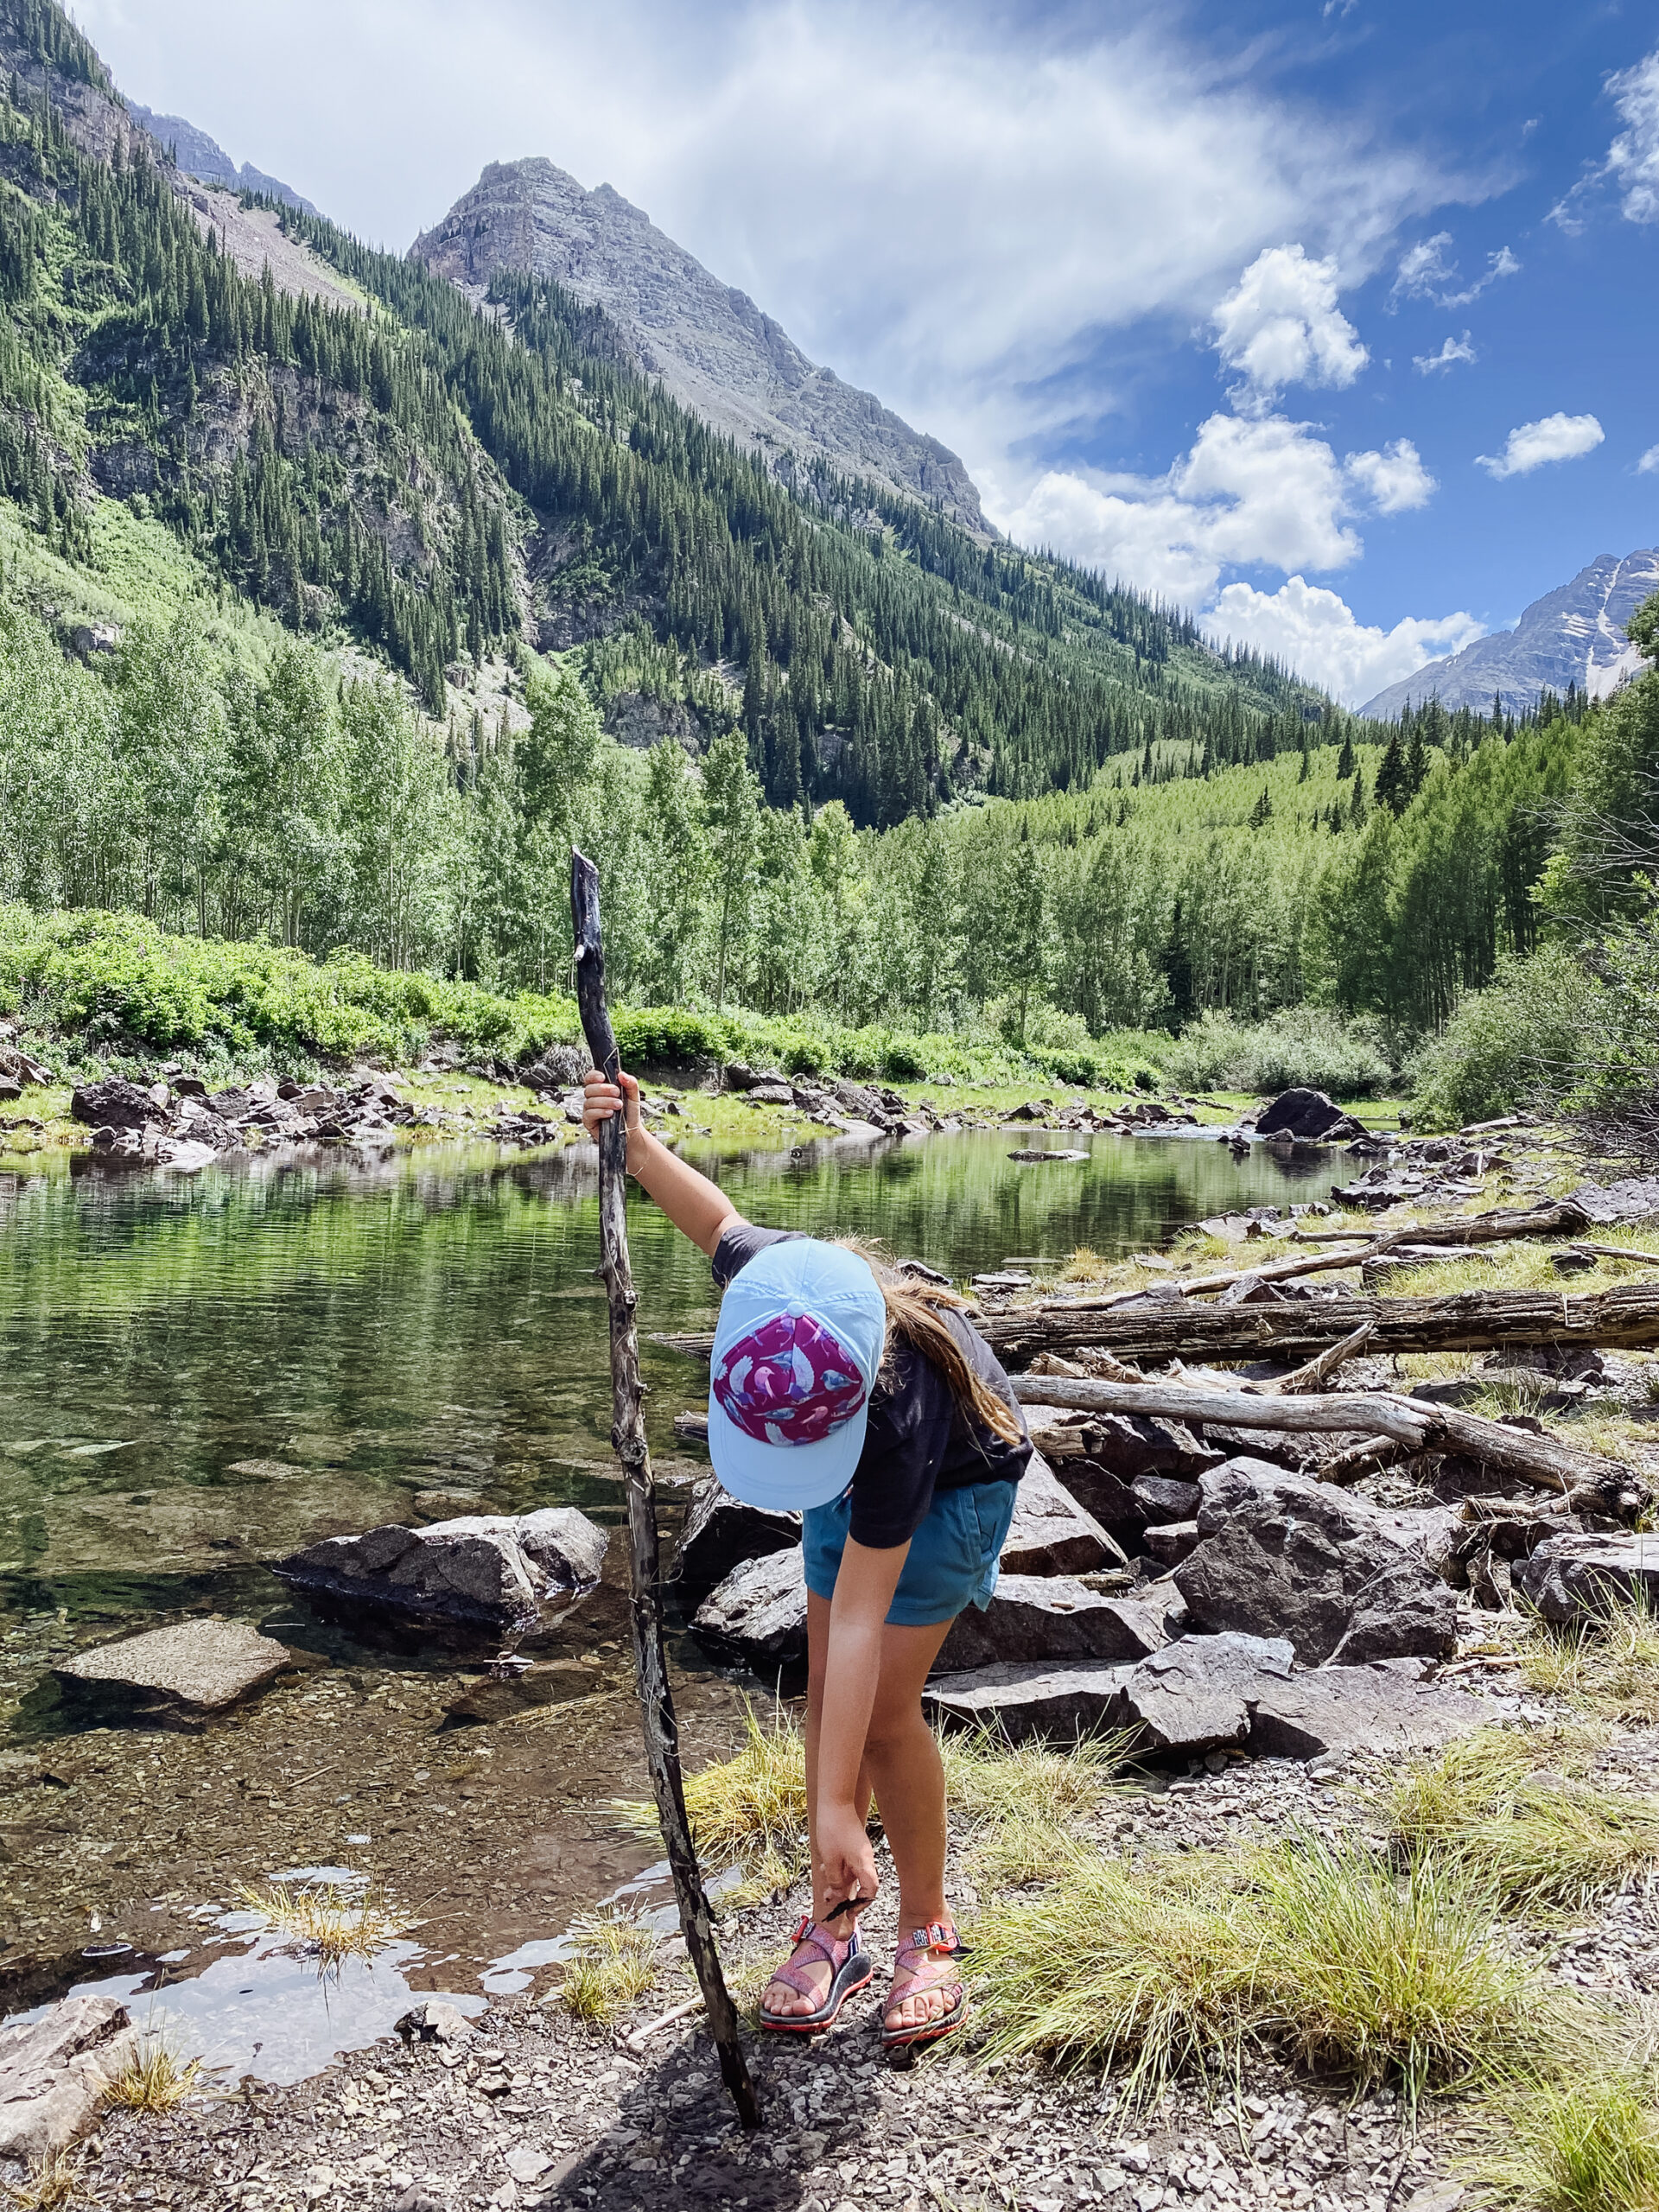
(1286, 1559)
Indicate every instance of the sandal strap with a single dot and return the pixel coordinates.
(938, 1939)
(834, 1951)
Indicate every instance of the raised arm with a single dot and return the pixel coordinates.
(697, 1208)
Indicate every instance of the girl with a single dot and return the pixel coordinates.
(867, 1403)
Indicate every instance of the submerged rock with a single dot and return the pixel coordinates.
(492, 1570)
(720, 1533)
(1579, 1578)
(176, 1676)
(1340, 1577)
(1050, 1617)
(55, 2072)
(758, 1615)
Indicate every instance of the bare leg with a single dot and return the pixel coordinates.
(901, 1762)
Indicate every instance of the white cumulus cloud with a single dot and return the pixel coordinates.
(1649, 464)
(1531, 445)
(1313, 631)
(1394, 480)
(1280, 325)
(1453, 350)
(1253, 491)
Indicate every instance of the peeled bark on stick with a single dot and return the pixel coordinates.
(1601, 1486)
(628, 1435)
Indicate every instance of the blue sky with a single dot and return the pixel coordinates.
(1331, 318)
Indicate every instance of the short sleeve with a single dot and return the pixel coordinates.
(740, 1243)
(904, 1450)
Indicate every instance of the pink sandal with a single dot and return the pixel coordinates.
(937, 1941)
(849, 1967)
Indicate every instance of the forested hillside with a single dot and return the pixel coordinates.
(318, 604)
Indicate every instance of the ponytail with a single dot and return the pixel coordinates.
(916, 1317)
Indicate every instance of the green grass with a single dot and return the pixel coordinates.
(1174, 1964)
(613, 1967)
(1608, 1667)
(1586, 2142)
(1520, 1812)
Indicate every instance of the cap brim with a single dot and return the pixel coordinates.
(784, 1478)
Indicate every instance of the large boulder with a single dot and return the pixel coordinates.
(175, 1677)
(720, 1533)
(115, 1104)
(488, 1570)
(1581, 1578)
(1022, 1699)
(1051, 1534)
(1197, 1694)
(55, 2072)
(758, 1616)
(1050, 1617)
(1279, 1555)
(1300, 1113)
(1209, 1692)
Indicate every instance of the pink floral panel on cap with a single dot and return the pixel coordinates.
(788, 1382)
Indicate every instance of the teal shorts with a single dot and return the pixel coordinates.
(952, 1561)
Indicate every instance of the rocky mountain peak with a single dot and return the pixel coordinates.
(204, 158)
(1574, 634)
(712, 348)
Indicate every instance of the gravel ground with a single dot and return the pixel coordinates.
(537, 2109)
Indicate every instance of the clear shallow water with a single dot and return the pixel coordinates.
(197, 1375)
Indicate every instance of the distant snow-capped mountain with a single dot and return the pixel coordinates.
(1574, 635)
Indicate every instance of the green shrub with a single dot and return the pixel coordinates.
(1302, 1045)
(1520, 1043)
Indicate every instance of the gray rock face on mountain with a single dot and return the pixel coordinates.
(199, 156)
(711, 347)
(1575, 635)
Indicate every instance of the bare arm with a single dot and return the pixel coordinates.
(697, 1208)
(858, 1612)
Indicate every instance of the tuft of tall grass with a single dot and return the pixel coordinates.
(1171, 1964)
(1520, 1814)
(52, 2182)
(1587, 2141)
(990, 1780)
(154, 2079)
(332, 1928)
(1609, 1666)
(612, 1967)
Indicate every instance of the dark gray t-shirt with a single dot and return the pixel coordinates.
(917, 1441)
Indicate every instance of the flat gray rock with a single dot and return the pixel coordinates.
(1375, 1708)
(1199, 1694)
(177, 1674)
(1051, 1534)
(758, 1614)
(1341, 1579)
(720, 1533)
(1577, 1578)
(1050, 1617)
(55, 2071)
(491, 1570)
(1034, 1699)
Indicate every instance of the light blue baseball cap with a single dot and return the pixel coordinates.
(797, 1352)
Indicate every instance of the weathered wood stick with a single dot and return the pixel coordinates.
(1321, 1369)
(1625, 1317)
(1502, 1222)
(628, 1436)
(1543, 1461)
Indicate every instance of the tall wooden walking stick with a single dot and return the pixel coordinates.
(628, 1435)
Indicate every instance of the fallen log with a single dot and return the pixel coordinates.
(1624, 1318)
(1586, 1480)
(1494, 1228)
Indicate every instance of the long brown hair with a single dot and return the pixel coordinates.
(916, 1312)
